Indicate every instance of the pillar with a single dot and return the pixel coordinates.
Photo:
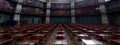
(18, 11)
(103, 12)
(73, 20)
(48, 13)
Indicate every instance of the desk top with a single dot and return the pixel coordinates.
(29, 42)
(107, 31)
(2, 30)
(30, 31)
(60, 42)
(117, 41)
(60, 31)
(92, 42)
(74, 31)
(118, 34)
(39, 34)
(20, 34)
(60, 35)
(84, 29)
(103, 35)
(81, 35)
(46, 31)
(16, 31)
(1, 34)
(91, 31)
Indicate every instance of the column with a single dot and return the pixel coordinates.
(72, 12)
(103, 12)
(48, 13)
(18, 10)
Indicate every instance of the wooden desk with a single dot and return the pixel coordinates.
(118, 34)
(19, 35)
(39, 35)
(96, 29)
(75, 31)
(103, 35)
(30, 31)
(116, 41)
(107, 31)
(60, 31)
(2, 30)
(4, 40)
(84, 29)
(1, 34)
(46, 31)
(28, 42)
(15, 31)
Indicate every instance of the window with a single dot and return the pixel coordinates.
(107, 0)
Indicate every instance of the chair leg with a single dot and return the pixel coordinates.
(13, 41)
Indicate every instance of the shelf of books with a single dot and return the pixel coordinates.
(113, 7)
(7, 7)
(31, 7)
(86, 7)
(32, 3)
(60, 9)
(32, 11)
